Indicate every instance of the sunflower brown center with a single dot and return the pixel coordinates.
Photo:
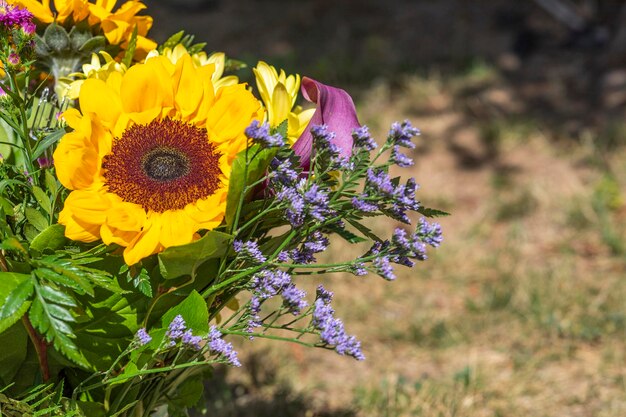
(163, 165)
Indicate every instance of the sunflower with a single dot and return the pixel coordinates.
(116, 26)
(150, 155)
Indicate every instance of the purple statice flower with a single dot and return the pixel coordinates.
(219, 346)
(359, 269)
(362, 205)
(402, 133)
(283, 171)
(400, 159)
(268, 283)
(379, 181)
(283, 256)
(332, 331)
(401, 240)
(249, 250)
(383, 268)
(176, 329)
(260, 133)
(363, 139)
(143, 337)
(295, 205)
(323, 139)
(11, 15)
(323, 294)
(190, 340)
(317, 203)
(254, 310)
(316, 242)
(429, 233)
(293, 299)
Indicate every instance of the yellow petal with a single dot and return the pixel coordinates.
(281, 104)
(146, 89)
(144, 244)
(99, 98)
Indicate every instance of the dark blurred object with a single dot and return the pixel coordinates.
(191, 5)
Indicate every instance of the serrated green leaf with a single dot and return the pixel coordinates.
(130, 49)
(364, 229)
(35, 218)
(282, 128)
(21, 293)
(15, 299)
(260, 159)
(177, 261)
(347, 235)
(429, 212)
(142, 282)
(42, 199)
(52, 238)
(80, 287)
(60, 312)
(56, 296)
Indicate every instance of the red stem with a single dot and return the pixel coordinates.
(41, 347)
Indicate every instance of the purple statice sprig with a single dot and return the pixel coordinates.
(249, 251)
(331, 329)
(401, 134)
(217, 345)
(260, 133)
(142, 337)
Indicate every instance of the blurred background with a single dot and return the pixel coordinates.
(522, 311)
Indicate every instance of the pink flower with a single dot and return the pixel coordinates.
(335, 109)
(14, 59)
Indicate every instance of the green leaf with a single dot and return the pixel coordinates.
(52, 184)
(50, 140)
(130, 49)
(141, 281)
(51, 320)
(42, 199)
(363, 229)
(256, 169)
(429, 212)
(13, 244)
(93, 45)
(56, 296)
(282, 128)
(77, 283)
(189, 392)
(172, 41)
(16, 291)
(347, 235)
(14, 342)
(177, 261)
(35, 218)
(6, 206)
(52, 238)
(195, 312)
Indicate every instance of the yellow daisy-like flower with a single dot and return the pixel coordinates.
(218, 59)
(70, 88)
(279, 93)
(117, 25)
(150, 156)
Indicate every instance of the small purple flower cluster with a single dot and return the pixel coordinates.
(249, 251)
(329, 155)
(143, 337)
(220, 346)
(380, 193)
(178, 330)
(283, 172)
(401, 134)
(332, 331)
(316, 242)
(12, 16)
(269, 283)
(363, 139)
(260, 133)
(304, 201)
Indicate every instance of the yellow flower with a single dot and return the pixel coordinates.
(67, 87)
(117, 26)
(279, 93)
(218, 59)
(150, 155)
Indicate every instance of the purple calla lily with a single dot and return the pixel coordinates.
(335, 109)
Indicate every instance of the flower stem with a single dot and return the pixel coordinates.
(41, 348)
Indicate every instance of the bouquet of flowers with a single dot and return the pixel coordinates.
(152, 207)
